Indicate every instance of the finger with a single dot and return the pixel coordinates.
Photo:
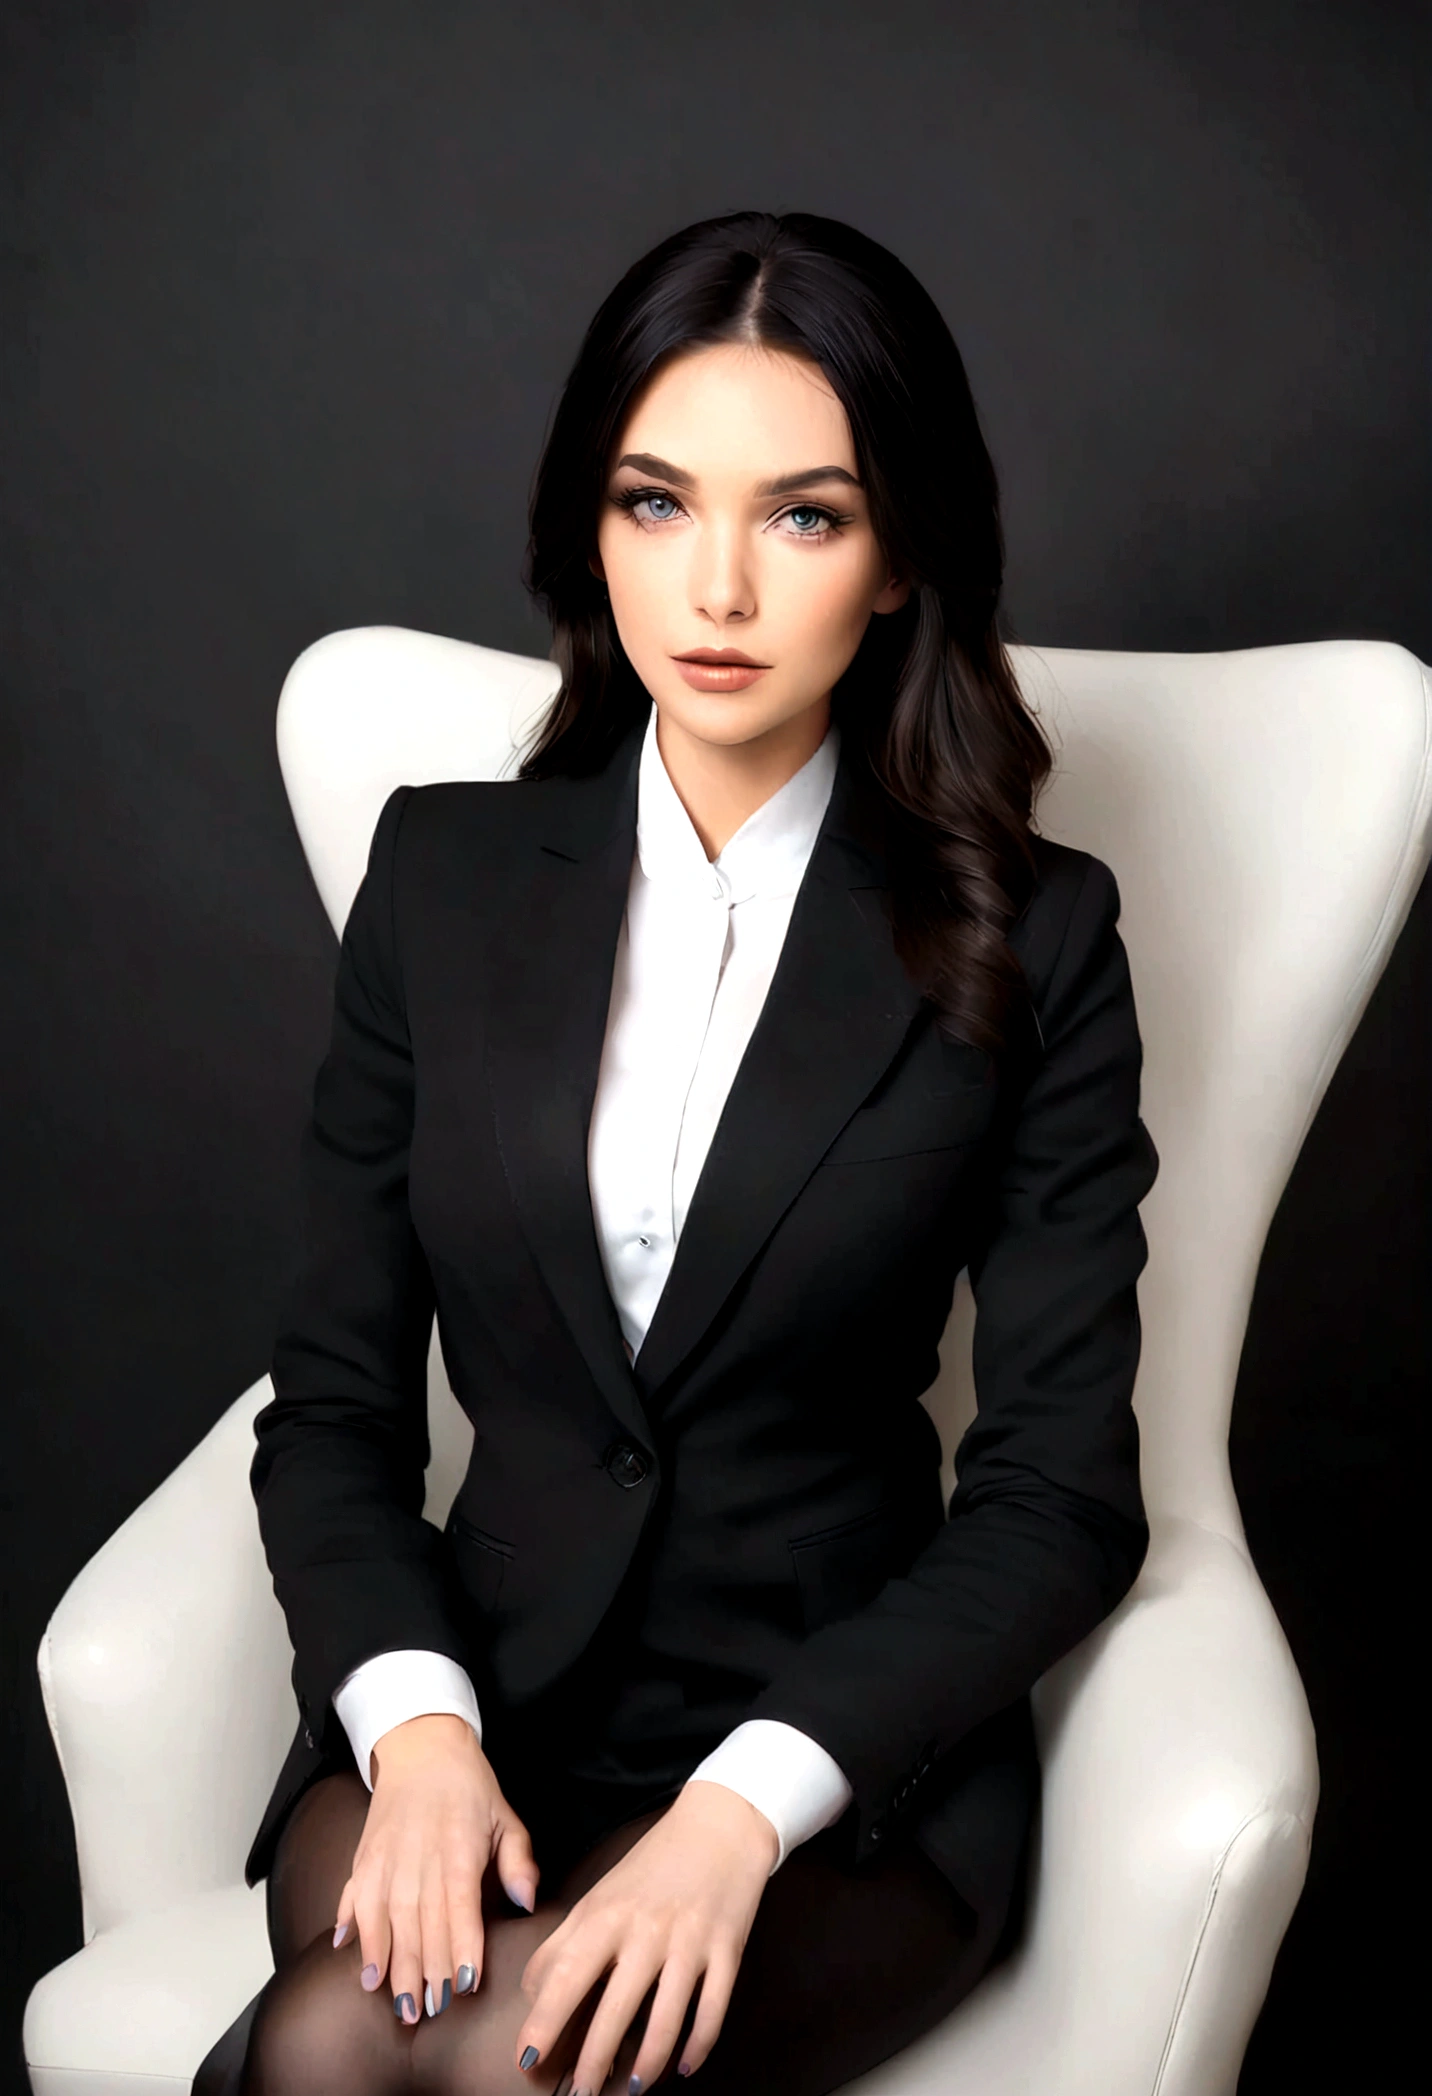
(437, 1942)
(561, 1982)
(627, 1983)
(549, 1950)
(344, 1923)
(465, 1930)
(716, 1984)
(405, 1964)
(663, 2024)
(370, 1911)
(516, 1865)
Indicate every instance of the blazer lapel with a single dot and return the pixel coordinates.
(838, 1008)
(551, 988)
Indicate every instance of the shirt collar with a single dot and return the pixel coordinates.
(768, 854)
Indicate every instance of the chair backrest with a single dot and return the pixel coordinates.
(1268, 815)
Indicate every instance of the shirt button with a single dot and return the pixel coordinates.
(645, 1243)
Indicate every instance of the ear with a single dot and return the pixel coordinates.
(894, 594)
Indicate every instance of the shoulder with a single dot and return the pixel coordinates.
(458, 827)
(1070, 916)
(473, 808)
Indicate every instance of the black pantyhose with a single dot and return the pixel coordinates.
(842, 1969)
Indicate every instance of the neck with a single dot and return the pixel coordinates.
(721, 784)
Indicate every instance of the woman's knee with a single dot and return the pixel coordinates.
(316, 2033)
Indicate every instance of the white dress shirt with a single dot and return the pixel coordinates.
(698, 947)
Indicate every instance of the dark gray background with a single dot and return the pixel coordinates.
(289, 290)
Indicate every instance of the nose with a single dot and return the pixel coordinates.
(722, 583)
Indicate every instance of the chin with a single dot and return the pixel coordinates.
(724, 718)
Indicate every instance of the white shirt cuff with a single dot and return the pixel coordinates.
(783, 1773)
(395, 1686)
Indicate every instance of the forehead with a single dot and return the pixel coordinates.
(739, 410)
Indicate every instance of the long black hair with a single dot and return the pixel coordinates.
(930, 701)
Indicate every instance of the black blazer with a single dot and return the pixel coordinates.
(772, 1413)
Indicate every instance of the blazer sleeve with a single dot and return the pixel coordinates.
(1046, 1529)
(342, 1448)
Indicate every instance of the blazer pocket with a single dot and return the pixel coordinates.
(839, 1569)
(909, 1125)
(481, 1559)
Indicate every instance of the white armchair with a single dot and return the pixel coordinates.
(1268, 815)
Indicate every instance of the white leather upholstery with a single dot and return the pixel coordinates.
(1269, 816)
(139, 2007)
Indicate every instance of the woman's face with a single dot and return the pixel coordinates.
(733, 523)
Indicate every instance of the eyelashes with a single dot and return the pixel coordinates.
(628, 498)
(630, 501)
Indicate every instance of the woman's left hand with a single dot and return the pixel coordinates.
(677, 1908)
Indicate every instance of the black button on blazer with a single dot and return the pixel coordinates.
(772, 1413)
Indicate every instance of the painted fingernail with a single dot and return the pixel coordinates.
(529, 2058)
(685, 2067)
(435, 2006)
(466, 1979)
(406, 2007)
(340, 1933)
(369, 1977)
(521, 1895)
(634, 2086)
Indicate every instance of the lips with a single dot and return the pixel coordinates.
(719, 669)
(722, 655)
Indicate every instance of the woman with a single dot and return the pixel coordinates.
(681, 1079)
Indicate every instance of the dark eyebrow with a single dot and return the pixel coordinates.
(648, 462)
(787, 484)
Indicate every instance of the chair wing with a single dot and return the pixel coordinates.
(376, 707)
(1266, 814)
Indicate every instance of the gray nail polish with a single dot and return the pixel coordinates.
(405, 2007)
(340, 1934)
(369, 1977)
(436, 2005)
(529, 2058)
(466, 1979)
(634, 2086)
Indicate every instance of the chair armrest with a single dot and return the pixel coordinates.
(1180, 1782)
(135, 2011)
(165, 1674)
(1180, 1787)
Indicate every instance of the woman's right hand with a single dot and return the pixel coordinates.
(437, 1818)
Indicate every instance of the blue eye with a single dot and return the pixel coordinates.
(656, 511)
(806, 519)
